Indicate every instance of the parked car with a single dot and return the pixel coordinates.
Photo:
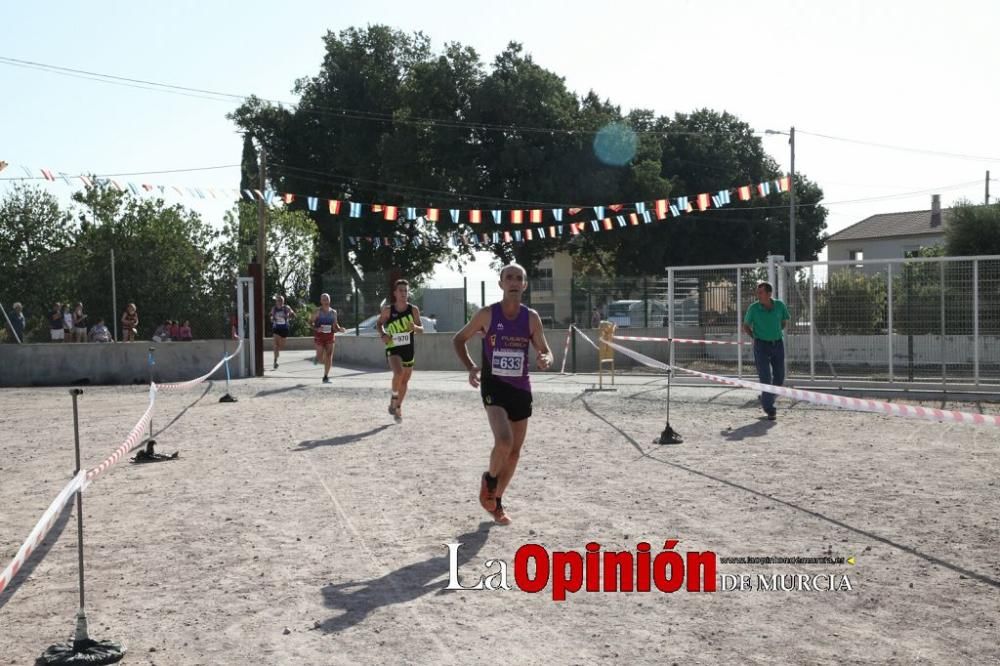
(367, 326)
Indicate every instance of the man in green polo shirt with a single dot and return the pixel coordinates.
(764, 322)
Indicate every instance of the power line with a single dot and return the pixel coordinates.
(939, 153)
(130, 173)
(354, 114)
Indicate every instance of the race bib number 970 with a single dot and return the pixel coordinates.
(508, 363)
(400, 339)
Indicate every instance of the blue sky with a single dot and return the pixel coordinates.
(916, 75)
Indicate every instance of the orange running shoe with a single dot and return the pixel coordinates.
(499, 515)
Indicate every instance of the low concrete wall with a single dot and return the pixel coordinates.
(67, 364)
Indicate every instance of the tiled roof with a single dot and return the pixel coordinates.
(910, 223)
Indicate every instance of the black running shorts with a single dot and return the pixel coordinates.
(516, 403)
(406, 354)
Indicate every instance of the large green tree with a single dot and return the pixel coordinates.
(36, 251)
(164, 256)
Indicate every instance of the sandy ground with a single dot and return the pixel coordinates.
(301, 526)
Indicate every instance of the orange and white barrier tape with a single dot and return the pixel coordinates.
(569, 333)
(84, 478)
(682, 340)
(41, 528)
(194, 382)
(855, 404)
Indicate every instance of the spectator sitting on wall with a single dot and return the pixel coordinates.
(185, 331)
(100, 332)
(175, 329)
(162, 332)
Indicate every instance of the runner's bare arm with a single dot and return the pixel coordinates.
(383, 318)
(544, 359)
(479, 323)
(417, 326)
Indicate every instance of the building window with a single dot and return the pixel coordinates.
(858, 256)
(542, 280)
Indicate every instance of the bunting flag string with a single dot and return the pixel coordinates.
(635, 214)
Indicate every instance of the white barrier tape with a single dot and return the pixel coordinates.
(569, 333)
(855, 404)
(682, 340)
(133, 439)
(41, 528)
(584, 336)
(193, 382)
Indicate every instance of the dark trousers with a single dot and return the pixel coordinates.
(770, 360)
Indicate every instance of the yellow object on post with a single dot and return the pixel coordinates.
(605, 354)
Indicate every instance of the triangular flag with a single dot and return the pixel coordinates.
(47, 174)
(621, 220)
(764, 189)
(391, 213)
(454, 214)
(475, 216)
(682, 203)
(702, 202)
(334, 206)
(355, 209)
(557, 214)
(675, 211)
(411, 213)
(784, 183)
(517, 217)
(432, 214)
(744, 192)
(640, 207)
(634, 219)
(599, 211)
(608, 226)
(724, 199)
(288, 197)
(312, 203)
(535, 216)
(595, 225)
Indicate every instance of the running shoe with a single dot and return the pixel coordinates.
(326, 380)
(398, 414)
(487, 497)
(499, 515)
(392, 405)
(275, 366)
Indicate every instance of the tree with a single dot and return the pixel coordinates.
(164, 262)
(36, 247)
(291, 248)
(973, 230)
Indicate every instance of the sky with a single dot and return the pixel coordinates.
(892, 101)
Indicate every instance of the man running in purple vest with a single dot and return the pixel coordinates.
(508, 327)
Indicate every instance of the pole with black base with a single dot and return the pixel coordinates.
(669, 435)
(229, 397)
(83, 649)
(149, 454)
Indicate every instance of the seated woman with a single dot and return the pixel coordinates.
(162, 333)
(100, 332)
(185, 331)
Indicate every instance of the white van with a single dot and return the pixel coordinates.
(626, 314)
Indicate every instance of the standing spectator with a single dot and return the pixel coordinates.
(595, 318)
(67, 315)
(100, 332)
(185, 331)
(17, 323)
(56, 323)
(175, 329)
(79, 324)
(130, 323)
(765, 322)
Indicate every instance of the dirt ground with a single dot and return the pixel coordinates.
(300, 525)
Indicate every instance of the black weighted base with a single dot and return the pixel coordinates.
(83, 652)
(148, 455)
(228, 398)
(669, 436)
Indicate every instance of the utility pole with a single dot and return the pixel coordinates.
(791, 189)
(261, 225)
(791, 212)
(987, 187)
